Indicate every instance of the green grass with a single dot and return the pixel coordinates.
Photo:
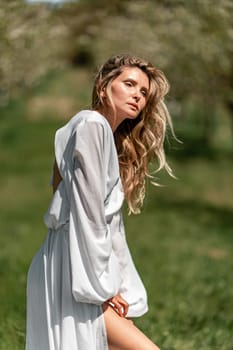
(186, 247)
(182, 242)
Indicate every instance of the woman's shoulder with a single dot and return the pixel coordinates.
(87, 116)
(86, 124)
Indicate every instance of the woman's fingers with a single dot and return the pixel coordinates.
(124, 305)
(119, 308)
(119, 305)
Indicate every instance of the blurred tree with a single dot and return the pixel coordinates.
(190, 40)
(31, 42)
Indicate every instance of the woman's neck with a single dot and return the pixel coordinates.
(113, 121)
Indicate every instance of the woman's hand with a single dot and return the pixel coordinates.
(118, 304)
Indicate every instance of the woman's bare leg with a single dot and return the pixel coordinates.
(123, 334)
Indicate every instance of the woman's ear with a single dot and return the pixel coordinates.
(103, 93)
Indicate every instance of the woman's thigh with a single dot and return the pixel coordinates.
(123, 334)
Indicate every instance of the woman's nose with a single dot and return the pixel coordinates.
(137, 95)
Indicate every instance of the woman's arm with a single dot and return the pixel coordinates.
(95, 268)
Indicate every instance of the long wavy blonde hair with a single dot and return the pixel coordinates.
(138, 141)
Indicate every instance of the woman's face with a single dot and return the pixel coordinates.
(129, 92)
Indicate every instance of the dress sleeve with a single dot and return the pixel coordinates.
(94, 265)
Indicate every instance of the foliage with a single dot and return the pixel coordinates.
(191, 41)
(31, 42)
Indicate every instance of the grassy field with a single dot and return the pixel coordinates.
(182, 242)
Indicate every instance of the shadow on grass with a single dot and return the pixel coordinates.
(198, 210)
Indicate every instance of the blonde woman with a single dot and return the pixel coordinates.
(83, 288)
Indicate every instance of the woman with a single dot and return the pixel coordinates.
(83, 287)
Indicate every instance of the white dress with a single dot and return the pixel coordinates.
(84, 259)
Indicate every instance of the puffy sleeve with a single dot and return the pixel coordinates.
(94, 266)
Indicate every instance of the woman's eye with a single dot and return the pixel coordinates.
(144, 93)
(128, 83)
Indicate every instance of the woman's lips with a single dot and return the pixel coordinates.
(134, 105)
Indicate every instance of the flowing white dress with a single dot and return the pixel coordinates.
(84, 259)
